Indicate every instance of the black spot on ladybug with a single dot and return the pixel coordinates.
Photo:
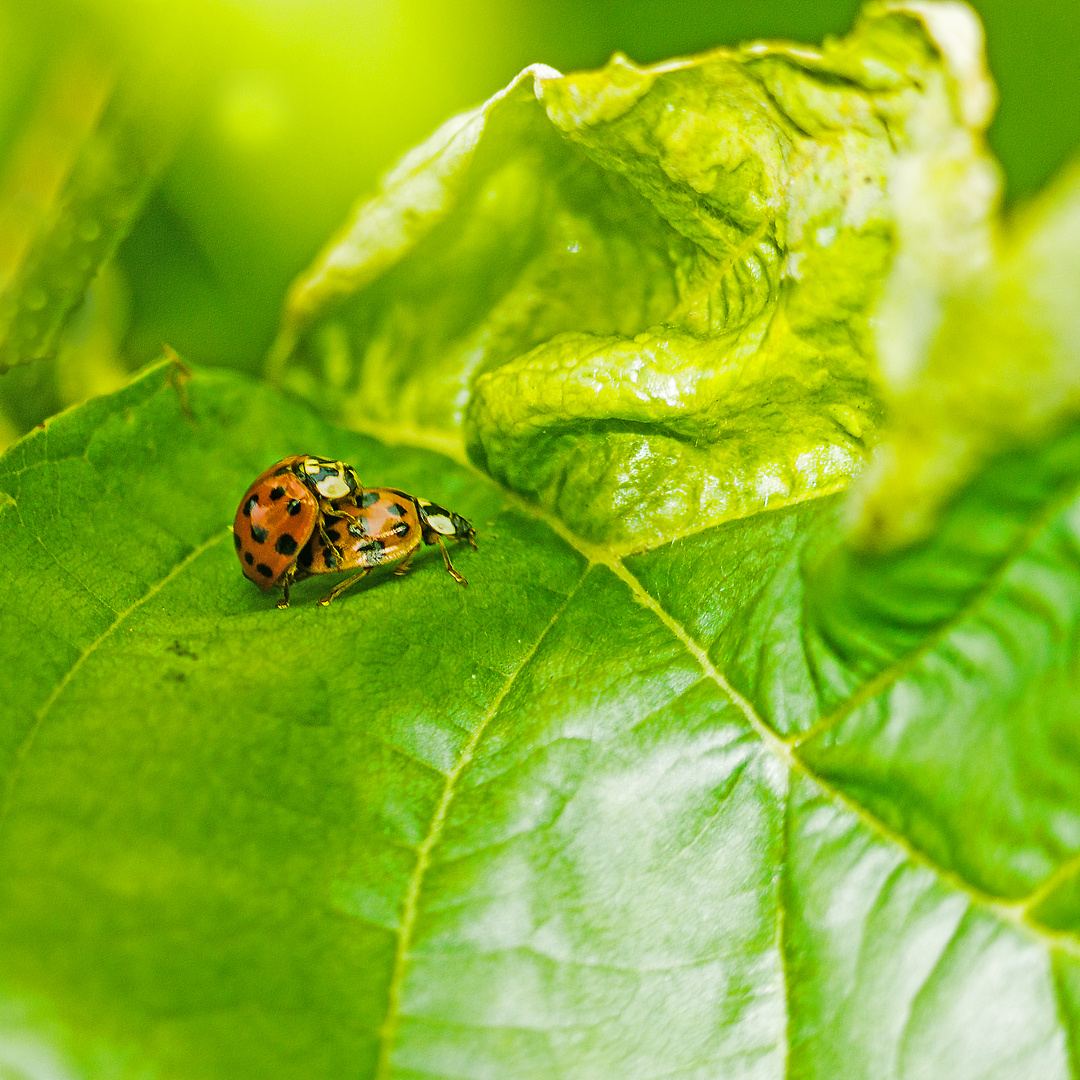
(307, 555)
(293, 506)
(259, 534)
(236, 541)
(370, 498)
(264, 570)
(334, 535)
(282, 471)
(328, 557)
(253, 501)
(286, 544)
(396, 509)
(276, 493)
(248, 558)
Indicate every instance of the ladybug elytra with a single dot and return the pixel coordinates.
(281, 510)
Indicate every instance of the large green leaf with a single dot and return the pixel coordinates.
(588, 817)
(795, 793)
(646, 292)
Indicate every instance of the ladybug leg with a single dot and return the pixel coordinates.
(326, 539)
(403, 566)
(449, 565)
(338, 589)
(286, 581)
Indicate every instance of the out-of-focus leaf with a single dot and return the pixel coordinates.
(88, 355)
(75, 179)
(88, 360)
(986, 356)
(628, 284)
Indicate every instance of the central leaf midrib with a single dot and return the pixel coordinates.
(411, 903)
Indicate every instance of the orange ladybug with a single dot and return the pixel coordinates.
(281, 511)
(385, 526)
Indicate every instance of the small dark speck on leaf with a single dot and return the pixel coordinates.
(180, 650)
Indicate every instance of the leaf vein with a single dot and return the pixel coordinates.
(411, 904)
(60, 566)
(782, 928)
(784, 749)
(39, 718)
(907, 662)
(1008, 912)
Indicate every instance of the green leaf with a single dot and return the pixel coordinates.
(759, 801)
(684, 813)
(994, 363)
(78, 175)
(645, 292)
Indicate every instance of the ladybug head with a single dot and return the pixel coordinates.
(331, 480)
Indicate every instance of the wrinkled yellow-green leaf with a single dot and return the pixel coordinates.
(619, 287)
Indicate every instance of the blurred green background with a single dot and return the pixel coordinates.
(276, 115)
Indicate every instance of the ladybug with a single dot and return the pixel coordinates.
(386, 525)
(283, 509)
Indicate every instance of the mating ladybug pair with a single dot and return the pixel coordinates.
(308, 515)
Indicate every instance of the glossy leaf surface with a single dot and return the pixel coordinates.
(583, 818)
(792, 794)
